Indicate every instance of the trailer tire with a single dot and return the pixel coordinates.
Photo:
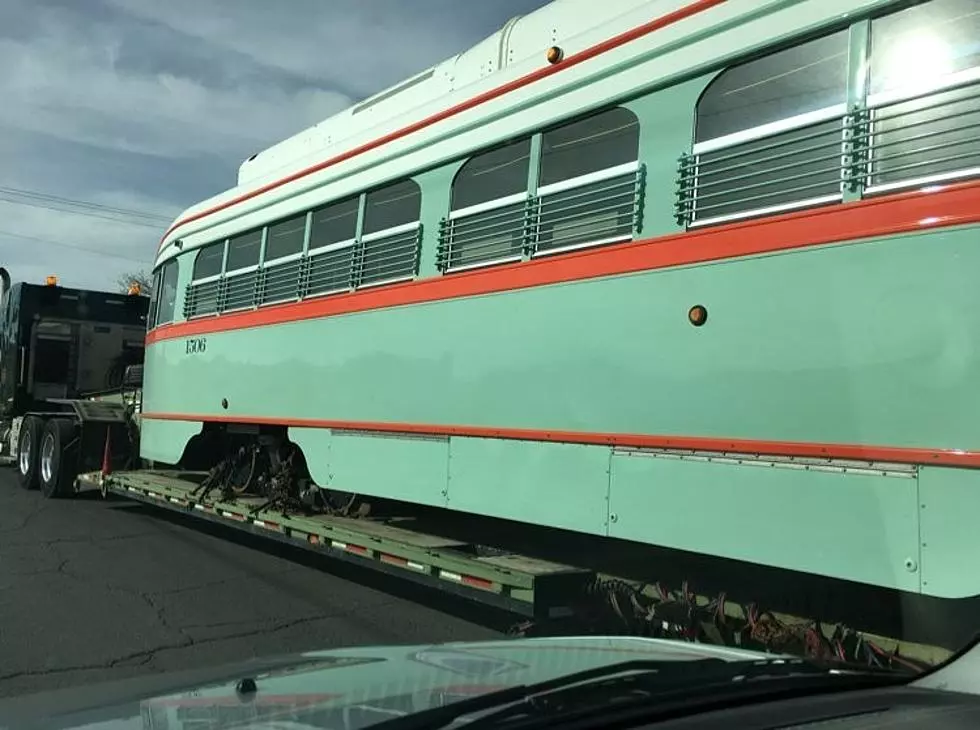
(58, 459)
(28, 447)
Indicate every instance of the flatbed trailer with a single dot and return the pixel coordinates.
(543, 596)
(518, 584)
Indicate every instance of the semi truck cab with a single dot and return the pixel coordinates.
(59, 345)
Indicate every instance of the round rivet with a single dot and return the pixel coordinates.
(697, 315)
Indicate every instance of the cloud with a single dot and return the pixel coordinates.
(54, 85)
(359, 46)
(152, 106)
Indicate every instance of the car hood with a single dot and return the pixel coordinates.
(347, 688)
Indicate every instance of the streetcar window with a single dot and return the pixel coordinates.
(151, 315)
(597, 209)
(915, 48)
(494, 174)
(768, 135)
(166, 292)
(923, 129)
(202, 298)
(494, 233)
(598, 142)
(243, 250)
(334, 222)
(393, 255)
(391, 206)
(209, 260)
(788, 83)
(285, 238)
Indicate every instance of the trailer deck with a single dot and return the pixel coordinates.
(516, 583)
(542, 591)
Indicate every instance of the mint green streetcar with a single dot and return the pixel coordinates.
(692, 274)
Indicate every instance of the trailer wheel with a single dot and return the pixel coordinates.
(58, 460)
(28, 443)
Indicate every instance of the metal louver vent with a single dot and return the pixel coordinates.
(598, 208)
(389, 257)
(931, 136)
(599, 212)
(240, 291)
(330, 271)
(487, 236)
(202, 298)
(281, 281)
(796, 168)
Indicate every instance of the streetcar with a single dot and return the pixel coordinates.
(691, 274)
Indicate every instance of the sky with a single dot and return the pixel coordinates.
(132, 110)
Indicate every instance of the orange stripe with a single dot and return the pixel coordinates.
(856, 452)
(589, 53)
(850, 222)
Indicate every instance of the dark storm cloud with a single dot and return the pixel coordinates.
(153, 105)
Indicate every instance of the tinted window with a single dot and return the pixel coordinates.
(285, 237)
(243, 250)
(794, 81)
(493, 174)
(392, 206)
(208, 260)
(334, 222)
(598, 142)
(167, 293)
(924, 43)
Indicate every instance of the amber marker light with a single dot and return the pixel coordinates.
(51, 281)
(697, 315)
(554, 55)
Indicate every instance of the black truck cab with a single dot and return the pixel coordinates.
(59, 345)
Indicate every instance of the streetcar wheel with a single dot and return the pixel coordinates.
(58, 460)
(27, 450)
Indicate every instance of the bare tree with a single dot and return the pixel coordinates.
(141, 278)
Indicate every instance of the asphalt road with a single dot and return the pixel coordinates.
(94, 590)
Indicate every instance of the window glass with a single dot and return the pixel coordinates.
(924, 135)
(285, 237)
(167, 292)
(917, 46)
(784, 84)
(391, 206)
(243, 250)
(151, 315)
(334, 222)
(493, 174)
(208, 260)
(604, 140)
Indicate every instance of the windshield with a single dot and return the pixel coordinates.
(639, 330)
